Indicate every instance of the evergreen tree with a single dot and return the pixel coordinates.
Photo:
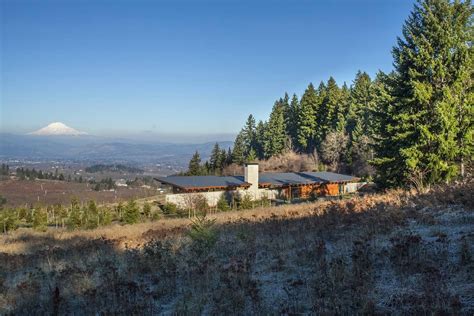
(146, 209)
(292, 122)
(194, 168)
(287, 112)
(215, 159)
(75, 216)
(248, 134)
(260, 134)
(91, 218)
(238, 152)
(252, 155)
(362, 105)
(431, 91)
(306, 118)
(131, 213)
(228, 159)
(328, 113)
(275, 133)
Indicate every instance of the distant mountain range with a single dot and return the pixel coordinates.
(100, 149)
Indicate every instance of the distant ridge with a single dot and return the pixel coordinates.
(57, 129)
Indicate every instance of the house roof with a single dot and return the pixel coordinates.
(265, 179)
(192, 182)
(331, 176)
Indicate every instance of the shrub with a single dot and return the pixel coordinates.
(131, 213)
(8, 220)
(40, 219)
(202, 232)
(146, 209)
(246, 202)
(169, 208)
(74, 220)
(222, 204)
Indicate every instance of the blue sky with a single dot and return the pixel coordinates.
(180, 67)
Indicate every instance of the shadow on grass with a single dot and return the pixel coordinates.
(339, 259)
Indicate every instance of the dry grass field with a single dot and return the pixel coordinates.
(393, 253)
(48, 192)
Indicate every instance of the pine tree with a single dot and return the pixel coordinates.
(248, 134)
(194, 168)
(214, 160)
(431, 91)
(238, 151)
(362, 105)
(306, 119)
(252, 155)
(131, 213)
(292, 123)
(275, 133)
(228, 159)
(260, 134)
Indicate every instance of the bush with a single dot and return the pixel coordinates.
(131, 213)
(146, 209)
(246, 202)
(40, 219)
(8, 220)
(202, 232)
(169, 208)
(222, 204)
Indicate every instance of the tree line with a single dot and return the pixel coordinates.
(412, 125)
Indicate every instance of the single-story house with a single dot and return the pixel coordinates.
(274, 185)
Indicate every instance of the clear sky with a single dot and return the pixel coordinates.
(180, 67)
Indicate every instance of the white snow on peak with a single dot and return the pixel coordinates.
(57, 128)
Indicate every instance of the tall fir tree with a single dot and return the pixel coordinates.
(292, 123)
(194, 168)
(215, 159)
(260, 139)
(248, 134)
(306, 119)
(275, 134)
(238, 151)
(362, 105)
(432, 87)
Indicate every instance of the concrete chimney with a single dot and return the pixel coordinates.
(251, 176)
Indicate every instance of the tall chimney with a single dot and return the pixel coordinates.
(251, 176)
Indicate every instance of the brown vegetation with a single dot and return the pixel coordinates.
(49, 192)
(399, 252)
(286, 162)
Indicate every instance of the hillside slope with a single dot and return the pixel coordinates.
(391, 253)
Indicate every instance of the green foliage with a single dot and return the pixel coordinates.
(429, 129)
(169, 208)
(245, 202)
(222, 204)
(91, 216)
(203, 232)
(238, 152)
(75, 215)
(8, 220)
(306, 119)
(275, 137)
(146, 209)
(194, 168)
(40, 219)
(131, 214)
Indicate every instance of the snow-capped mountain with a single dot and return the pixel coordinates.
(56, 129)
